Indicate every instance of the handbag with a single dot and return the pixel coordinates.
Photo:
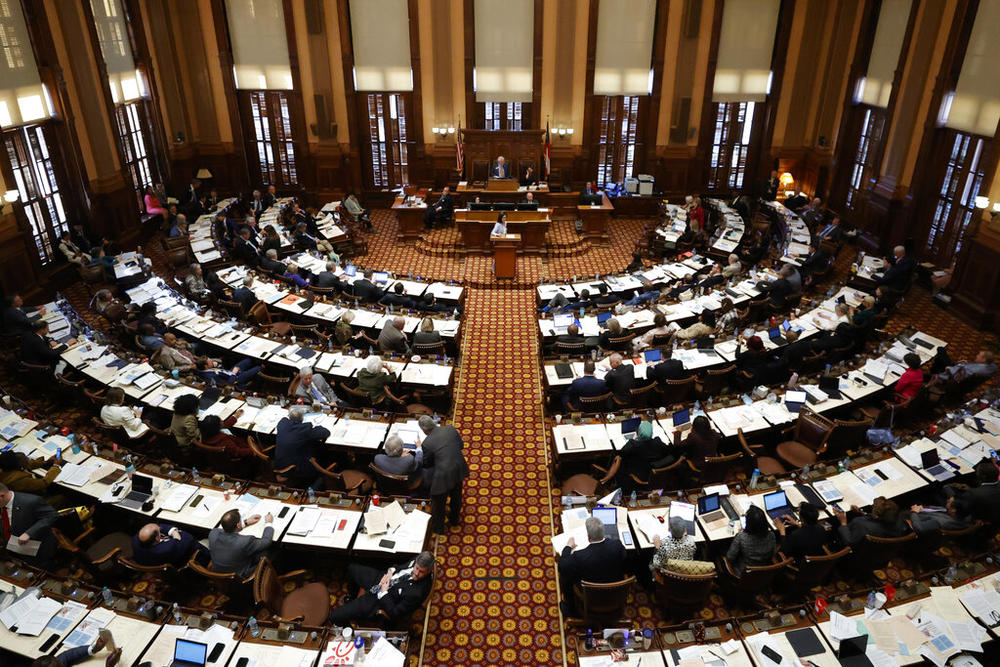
(878, 437)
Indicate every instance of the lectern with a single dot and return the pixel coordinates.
(505, 255)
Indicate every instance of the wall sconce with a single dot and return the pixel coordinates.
(786, 180)
(563, 132)
(203, 174)
(444, 130)
(10, 197)
(982, 202)
(995, 212)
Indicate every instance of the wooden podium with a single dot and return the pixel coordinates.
(505, 255)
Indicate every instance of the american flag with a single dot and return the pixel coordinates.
(546, 151)
(459, 153)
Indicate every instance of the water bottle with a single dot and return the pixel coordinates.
(567, 502)
(826, 372)
(359, 653)
(589, 641)
(109, 599)
(254, 628)
(632, 499)
(194, 475)
(177, 613)
(847, 463)
(708, 404)
(312, 494)
(754, 477)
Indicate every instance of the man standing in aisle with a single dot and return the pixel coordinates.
(442, 447)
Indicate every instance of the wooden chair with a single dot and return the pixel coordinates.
(809, 436)
(595, 403)
(675, 391)
(767, 465)
(93, 277)
(619, 344)
(584, 484)
(875, 552)
(263, 318)
(158, 577)
(846, 435)
(273, 383)
(389, 484)
(666, 477)
(639, 397)
(308, 604)
(813, 571)
(354, 397)
(230, 584)
(351, 482)
(753, 580)
(99, 557)
(682, 596)
(429, 349)
(602, 605)
(712, 381)
(721, 469)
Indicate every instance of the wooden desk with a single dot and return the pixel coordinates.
(595, 220)
(502, 185)
(475, 227)
(505, 255)
(409, 220)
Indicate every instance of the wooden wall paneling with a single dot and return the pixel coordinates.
(760, 161)
(142, 56)
(698, 176)
(230, 166)
(356, 121)
(296, 107)
(584, 169)
(649, 162)
(421, 167)
(536, 68)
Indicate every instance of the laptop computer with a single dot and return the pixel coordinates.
(380, 277)
(710, 508)
(630, 427)
(602, 319)
(351, 271)
(682, 420)
(776, 505)
(794, 400)
(851, 652)
(189, 654)
(830, 385)
(775, 335)
(608, 516)
(706, 344)
(652, 356)
(562, 321)
(931, 463)
(142, 490)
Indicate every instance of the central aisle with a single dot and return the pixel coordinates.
(495, 599)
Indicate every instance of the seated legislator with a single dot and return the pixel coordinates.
(441, 210)
(296, 442)
(397, 298)
(315, 388)
(365, 289)
(885, 520)
(216, 433)
(293, 273)
(426, 334)
(392, 339)
(270, 262)
(163, 544)
(600, 561)
(909, 383)
(175, 354)
(529, 198)
(677, 545)
(355, 212)
(328, 277)
(832, 232)
(667, 369)
(528, 178)
(585, 386)
(244, 295)
(399, 461)
(898, 275)
(702, 442)
(232, 552)
(755, 544)
(500, 228)
(983, 501)
(37, 348)
(807, 538)
(116, 413)
(397, 592)
(16, 475)
(28, 517)
(16, 320)
(621, 378)
(639, 456)
(500, 168)
(981, 367)
(374, 377)
(705, 326)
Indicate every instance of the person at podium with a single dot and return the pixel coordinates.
(500, 229)
(500, 169)
(528, 178)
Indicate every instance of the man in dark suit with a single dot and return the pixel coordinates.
(366, 289)
(399, 461)
(36, 348)
(812, 215)
(601, 561)
(588, 385)
(779, 290)
(500, 169)
(807, 538)
(832, 232)
(163, 544)
(621, 378)
(26, 517)
(441, 210)
(572, 336)
(16, 320)
(244, 296)
(713, 278)
(247, 248)
(328, 278)
(270, 262)
(232, 552)
(797, 349)
(983, 501)
(192, 196)
(442, 447)
(814, 261)
(667, 369)
(396, 592)
(769, 186)
(270, 197)
(295, 443)
(257, 205)
(898, 275)
(397, 298)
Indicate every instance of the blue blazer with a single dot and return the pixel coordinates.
(295, 444)
(588, 385)
(175, 552)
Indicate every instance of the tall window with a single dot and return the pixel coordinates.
(272, 137)
(502, 116)
(388, 136)
(133, 127)
(963, 177)
(730, 145)
(619, 126)
(863, 169)
(35, 176)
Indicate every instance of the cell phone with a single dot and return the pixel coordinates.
(881, 474)
(216, 651)
(59, 453)
(771, 654)
(197, 499)
(627, 539)
(342, 524)
(387, 544)
(283, 512)
(242, 662)
(117, 490)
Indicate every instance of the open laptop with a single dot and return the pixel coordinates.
(608, 516)
(851, 652)
(630, 427)
(830, 385)
(380, 277)
(775, 335)
(562, 321)
(706, 344)
(794, 400)
(189, 654)
(712, 508)
(602, 319)
(930, 461)
(682, 420)
(652, 356)
(776, 505)
(351, 271)
(142, 490)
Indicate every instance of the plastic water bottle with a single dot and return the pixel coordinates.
(254, 628)
(708, 404)
(194, 475)
(589, 641)
(754, 477)
(632, 499)
(177, 613)
(109, 599)
(312, 494)
(567, 502)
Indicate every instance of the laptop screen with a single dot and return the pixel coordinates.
(795, 397)
(773, 501)
(563, 319)
(604, 317)
(930, 458)
(607, 515)
(652, 355)
(142, 483)
(381, 277)
(786, 325)
(631, 425)
(829, 382)
(682, 417)
(774, 333)
(706, 343)
(708, 503)
(189, 651)
(351, 270)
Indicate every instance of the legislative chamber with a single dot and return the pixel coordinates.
(388, 333)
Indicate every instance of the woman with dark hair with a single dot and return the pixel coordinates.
(702, 442)
(909, 383)
(271, 240)
(755, 545)
(147, 315)
(152, 202)
(184, 424)
(807, 538)
(216, 433)
(500, 229)
(885, 520)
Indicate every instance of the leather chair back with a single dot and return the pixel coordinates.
(603, 602)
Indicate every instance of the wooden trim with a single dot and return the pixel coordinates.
(297, 112)
(590, 104)
(658, 57)
(221, 22)
(416, 120)
(469, 21)
(536, 68)
(143, 60)
(706, 122)
(779, 58)
(353, 122)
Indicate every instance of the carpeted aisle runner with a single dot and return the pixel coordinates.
(494, 602)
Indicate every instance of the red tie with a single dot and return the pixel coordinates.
(4, 525)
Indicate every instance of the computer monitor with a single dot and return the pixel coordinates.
(682, 417)
(187, 652)
(652, 356)
(381, 277)
(776, 500)
(527, 206)
(591, 200)
(480, 206)
(504, 206)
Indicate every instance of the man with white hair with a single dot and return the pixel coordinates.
(733, 266)
(244, 295)
(398, 460)
(296, 442)
(270, 262)
(391, 338)
(621, 378)
(314, 387)
(375, 377)
(601, 561)
(442, 447)
(195, 282)
(501, 169)
(898, 275)
(328, 277)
